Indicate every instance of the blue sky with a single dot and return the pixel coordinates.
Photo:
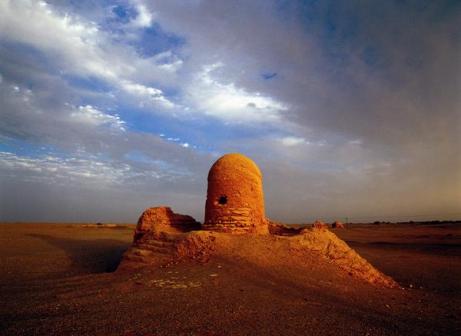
(351, 109)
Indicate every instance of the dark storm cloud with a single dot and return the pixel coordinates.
(377, 82)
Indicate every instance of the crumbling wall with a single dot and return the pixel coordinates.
(163, 219)
(155, 236)
(280, 229)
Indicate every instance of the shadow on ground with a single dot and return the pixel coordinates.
(89, 256)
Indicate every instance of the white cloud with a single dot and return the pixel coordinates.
(144, 17)
(64, 170)
(90, 115)
(168, 61)
(149, 94)
(35, 23)
(86, 169)
(229, 102)
(290, 141)
(80, 48)
(357, 142)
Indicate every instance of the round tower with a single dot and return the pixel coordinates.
(235, 199)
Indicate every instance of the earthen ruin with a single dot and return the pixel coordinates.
(318, 224)
(163, 219)
(338, 225)
(235, 200)
(235, 224)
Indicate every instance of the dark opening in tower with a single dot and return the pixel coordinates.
(235, 199)
(222, 200)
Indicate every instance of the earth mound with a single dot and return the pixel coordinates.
(164, 244)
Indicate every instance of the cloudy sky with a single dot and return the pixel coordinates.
(351, 108)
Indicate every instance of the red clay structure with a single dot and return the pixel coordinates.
(235, 199)
(236, 226)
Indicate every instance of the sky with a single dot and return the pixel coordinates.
(351, 109)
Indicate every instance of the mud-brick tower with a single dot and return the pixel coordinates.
(235, 199)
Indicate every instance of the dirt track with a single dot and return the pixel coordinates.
(57, 280)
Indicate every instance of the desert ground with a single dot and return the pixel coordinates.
(61, 279)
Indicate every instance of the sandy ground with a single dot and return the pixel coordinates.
(58, 279)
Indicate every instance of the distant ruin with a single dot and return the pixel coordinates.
(337, 225)
(234, 222)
